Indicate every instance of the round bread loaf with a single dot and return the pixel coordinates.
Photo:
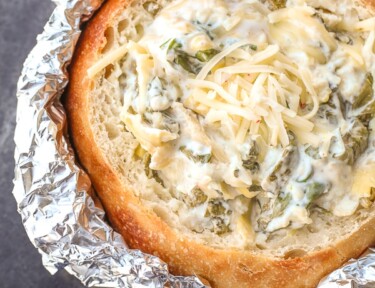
(161, 109)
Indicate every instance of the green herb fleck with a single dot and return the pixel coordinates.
(313, 152)
(278, 4)
(314, 190)
(364, 102)
(251, 163)
(280, 205)
(183, 60)
(206, 55)
(218, 213)
(196, 197)
(171, 44)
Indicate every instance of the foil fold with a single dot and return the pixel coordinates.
(53, 193)
(355, 274)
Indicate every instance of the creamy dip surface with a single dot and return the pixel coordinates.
(254, 114)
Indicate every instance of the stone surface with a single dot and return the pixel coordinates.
(20, 263)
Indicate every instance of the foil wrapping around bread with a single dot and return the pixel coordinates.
(53, 193)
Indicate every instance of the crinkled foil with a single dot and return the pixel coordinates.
(59, 216)
(52, 192)
(355, 274)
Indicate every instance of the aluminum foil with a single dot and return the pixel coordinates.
(59, 216)
(355, 274)
(53, 194)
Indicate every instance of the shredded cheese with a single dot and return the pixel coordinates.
(109, 58)
(217, 58)
(366, 25)
(251, 93)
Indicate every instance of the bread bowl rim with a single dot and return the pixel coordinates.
(144, 230)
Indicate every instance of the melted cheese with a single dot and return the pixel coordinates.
(109, 58)
(268, 75)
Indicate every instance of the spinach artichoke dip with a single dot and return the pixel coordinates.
(252, 115)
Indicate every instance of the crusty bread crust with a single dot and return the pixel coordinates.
(368, 3)
(144, 230)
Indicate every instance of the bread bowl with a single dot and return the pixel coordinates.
(233, 139)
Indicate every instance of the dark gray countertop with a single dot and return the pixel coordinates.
(20, 263)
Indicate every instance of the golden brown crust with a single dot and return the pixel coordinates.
(144, 230)
(368, 3)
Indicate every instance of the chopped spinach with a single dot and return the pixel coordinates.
(280, 205)
(281, 170)
(365, 102)
(186, 62)
(202, 158)
(330, 110)
(206, 55)
(161, 120)
(355, 141)
(171, 44)
(278, 4)
(269, 208)
(253, 47)
(190, 63)
(251, 162)
(314, 190)
(205, 27)
(218, 211)
(255, 188)
(196, 197)
(150, 173)
(313, 152)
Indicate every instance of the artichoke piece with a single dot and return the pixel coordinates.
(218, 211)
(313, 191)
(202, 158)
(270, 208)
(281, 171)
(151, 174)
(169, 123)
(273, 203)
(196, 198)
(161, 120)
(364, 103)
(355, 141)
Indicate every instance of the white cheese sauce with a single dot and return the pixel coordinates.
(209, 152)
